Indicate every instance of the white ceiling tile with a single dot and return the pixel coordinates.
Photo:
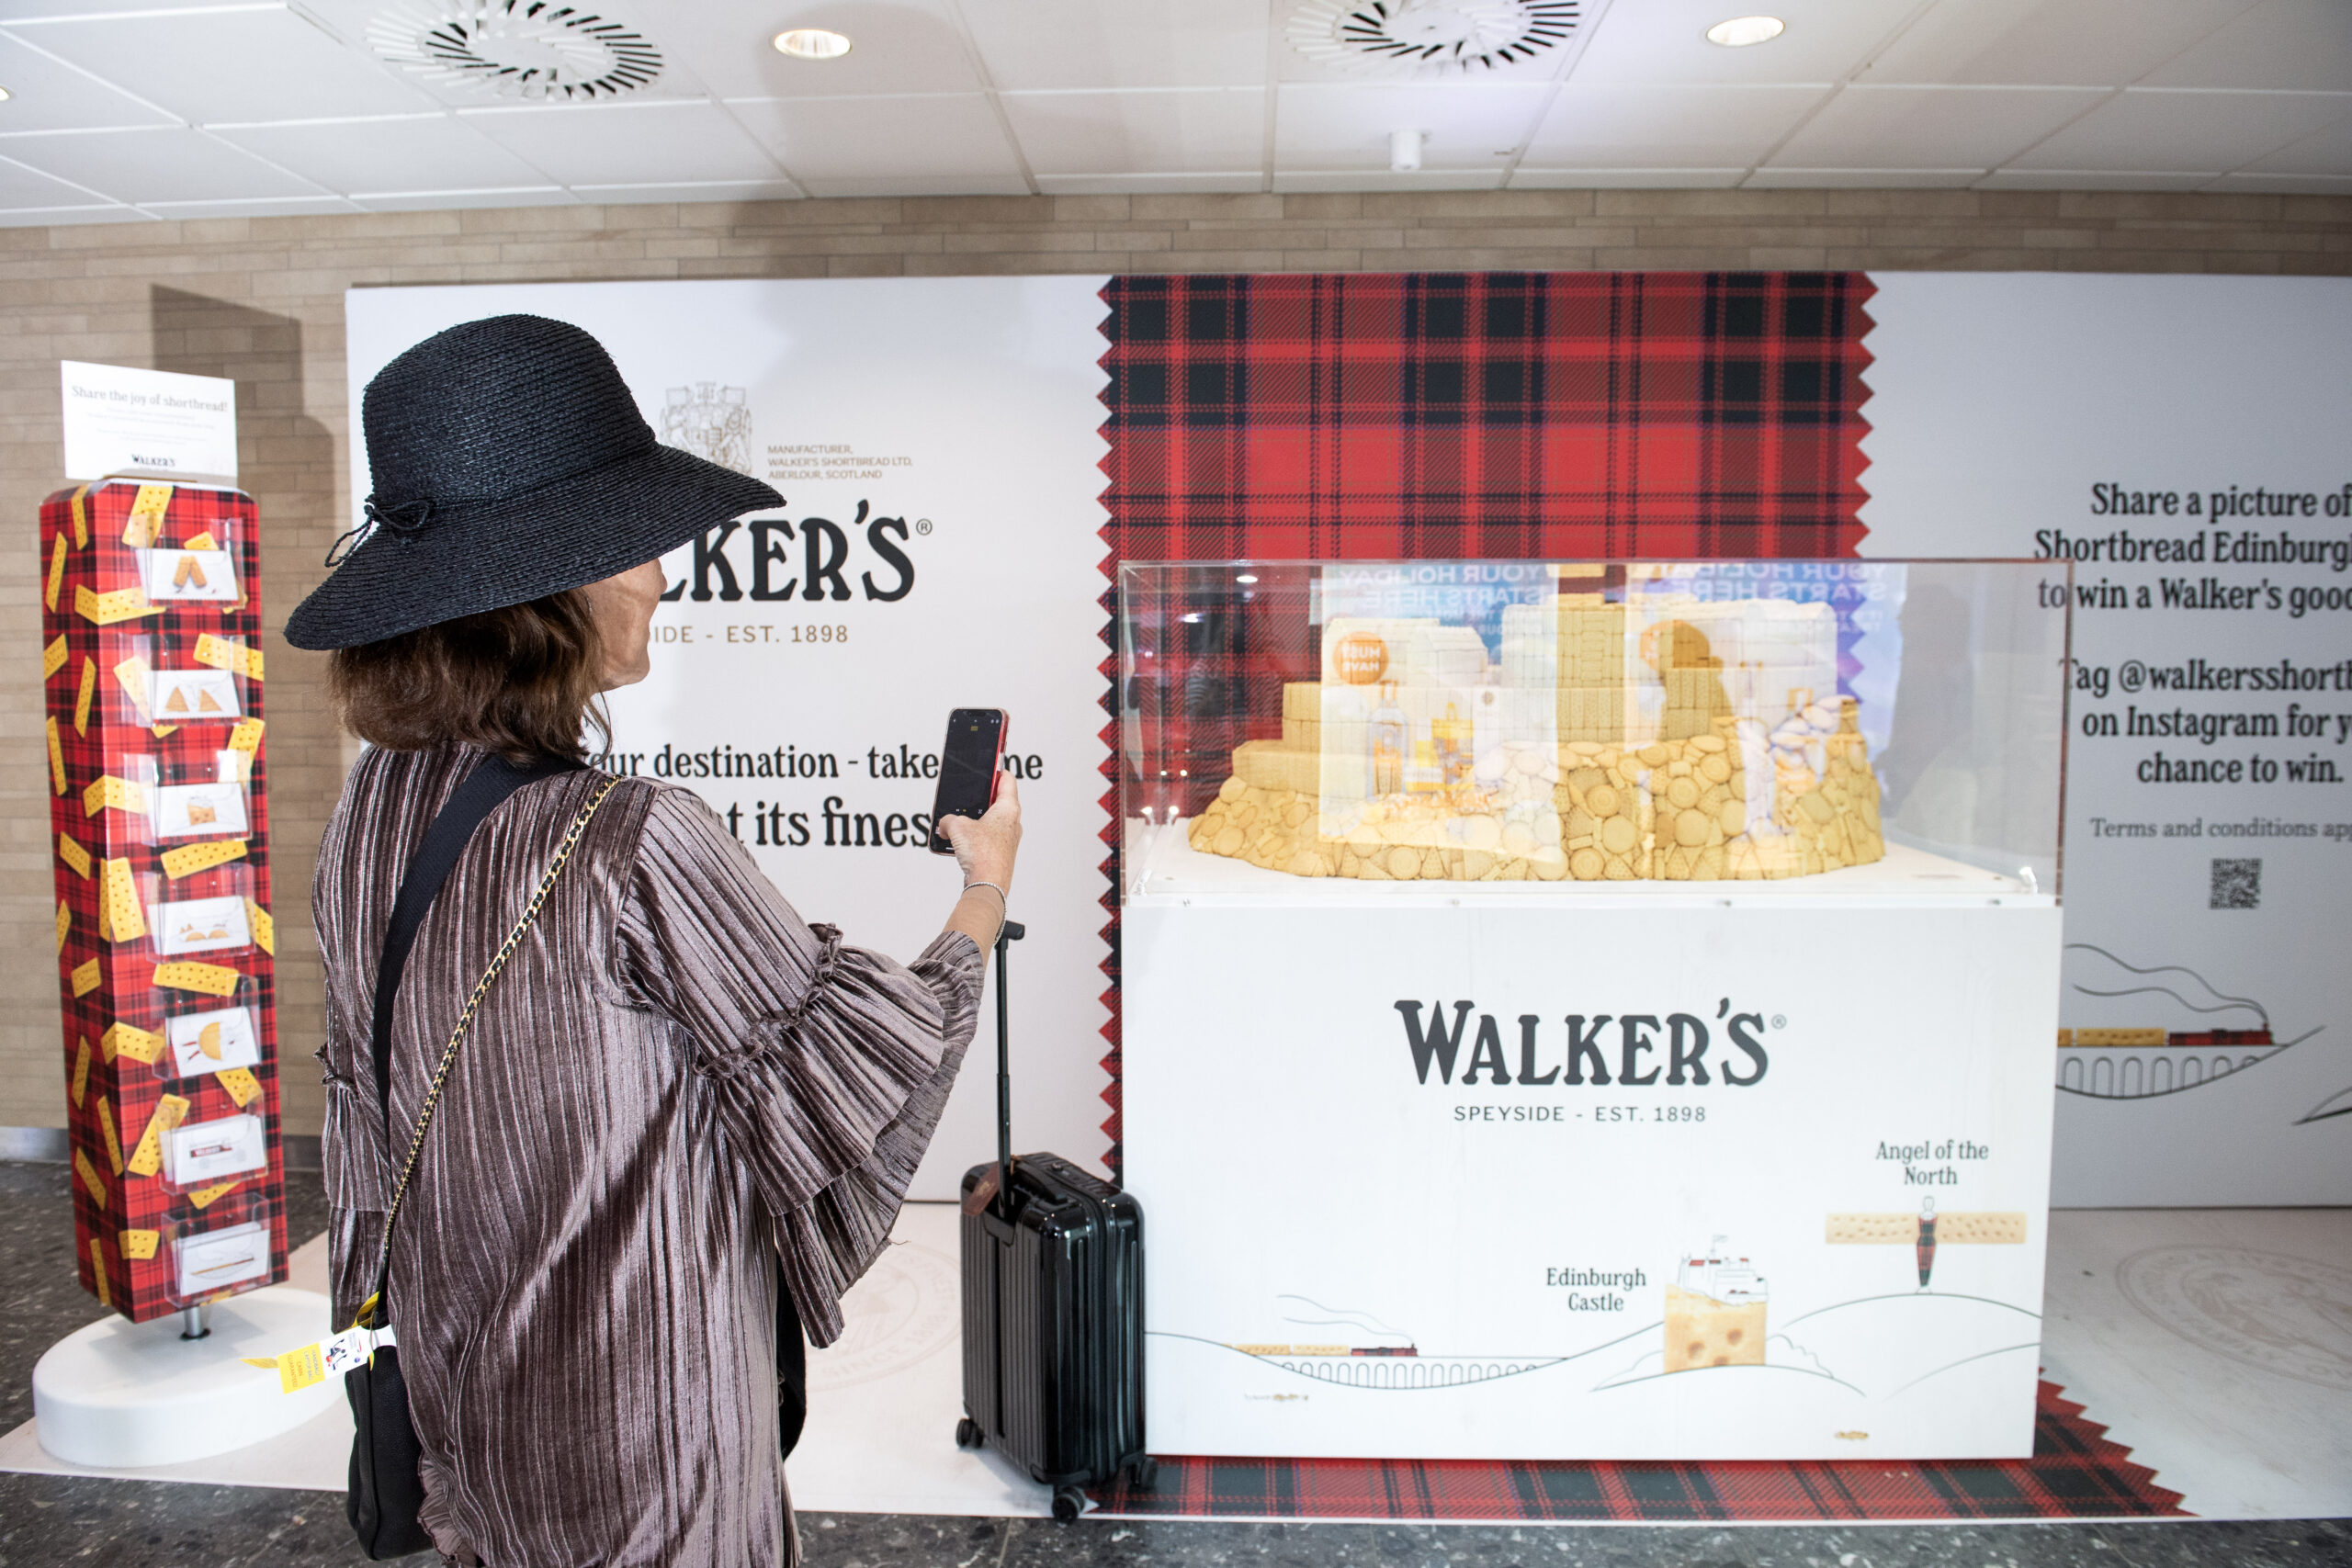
(2325, 152)
(2278, 44)
(2165, 132)
(1777, 178)
(2081, 42)
(43, 217)
(1525, 178)
(645, 143)
(435, 153)
(1671, 126)
(950, 145)
(48, 95)
(452, 201)
(1931, 128)
(231, 65)
(693, 190)
(2290, 185)
(22, 186)
(1666, 41)
(905, 46)
(1315, 182)
(156, 165)
(921, 184)
(1229, 183)
(1475, 126)
(1145, 131)
(2094, 179)
(1120, 43)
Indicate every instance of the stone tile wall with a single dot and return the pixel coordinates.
(260, 300)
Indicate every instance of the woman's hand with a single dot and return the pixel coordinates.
(985, 850)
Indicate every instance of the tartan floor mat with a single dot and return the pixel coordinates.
(2076, 1472)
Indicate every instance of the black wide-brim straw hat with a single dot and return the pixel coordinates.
(509, 462)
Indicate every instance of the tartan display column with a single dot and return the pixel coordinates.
(153, 665)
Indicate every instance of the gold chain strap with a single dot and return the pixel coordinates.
(449, 1056)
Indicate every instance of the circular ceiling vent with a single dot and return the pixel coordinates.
(1430, 38)
(517, 48)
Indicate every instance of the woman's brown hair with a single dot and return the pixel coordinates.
(522, 681)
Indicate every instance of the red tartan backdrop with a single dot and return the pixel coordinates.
(2074, 1474)
(1472, 416)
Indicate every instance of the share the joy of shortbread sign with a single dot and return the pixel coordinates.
(157, 759)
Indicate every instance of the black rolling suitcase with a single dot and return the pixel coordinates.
(1053, 1311)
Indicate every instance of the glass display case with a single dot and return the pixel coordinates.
(1516, 727)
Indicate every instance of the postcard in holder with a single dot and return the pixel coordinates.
(198, 1153)
(189, 696)
(184, 576)
(209, 810)
(206, 1262)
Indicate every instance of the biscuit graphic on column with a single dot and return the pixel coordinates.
(105, 1127)
(74, 854)
(191, 858)
(82, 699)
(240, 1082)
(56, 758)
(138, 1245)
(86, 978)
(119, 896)
(64, 923)
(81, 1081)
(264, 927)
(52, 657)
(99, 1268)
(129, 1040)
(148, 1157)
(204, 1197)
(90, 1178)
(186, 974)
(56, 574)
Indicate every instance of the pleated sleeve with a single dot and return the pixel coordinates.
(829, 1064)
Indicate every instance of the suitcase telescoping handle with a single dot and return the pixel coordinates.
(1011, 932)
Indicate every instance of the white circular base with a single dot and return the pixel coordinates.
(119, 1395)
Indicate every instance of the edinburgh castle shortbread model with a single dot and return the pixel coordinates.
(1670, 737)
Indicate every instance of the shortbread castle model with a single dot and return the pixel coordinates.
(1714, 1312)
(1669, 738)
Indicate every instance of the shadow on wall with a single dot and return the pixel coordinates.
(287, 461)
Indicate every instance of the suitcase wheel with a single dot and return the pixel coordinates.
(1146, 1473)
(1068, 1503)
(967, 1433)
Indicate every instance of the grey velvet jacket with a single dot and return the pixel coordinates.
(675, 1080)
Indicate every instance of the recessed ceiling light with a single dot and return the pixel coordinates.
(1741, 32)
(811, 43)
(4, 95)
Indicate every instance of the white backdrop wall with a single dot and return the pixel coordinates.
(964, 410)
(2102, 418)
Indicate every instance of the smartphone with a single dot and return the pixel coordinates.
(967, 769)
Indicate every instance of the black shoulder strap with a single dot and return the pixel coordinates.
(475, 798)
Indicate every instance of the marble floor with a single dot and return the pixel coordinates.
(2250, 1417)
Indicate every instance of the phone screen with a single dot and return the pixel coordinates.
(967, 766)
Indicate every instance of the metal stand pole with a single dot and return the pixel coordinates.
(195, 1321)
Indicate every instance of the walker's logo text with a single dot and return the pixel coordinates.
(1630, 1050)
(813, 559)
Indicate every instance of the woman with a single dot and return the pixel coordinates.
(675, 1082)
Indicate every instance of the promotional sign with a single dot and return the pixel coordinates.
(1611, 1175)
(155, 423)
(937, 548)
(2181, 441)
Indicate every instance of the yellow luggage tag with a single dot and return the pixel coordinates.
(298, 1370)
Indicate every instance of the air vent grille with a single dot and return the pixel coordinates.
(517, 48)
(1430, 37)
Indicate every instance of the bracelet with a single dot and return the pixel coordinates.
(1002, 901)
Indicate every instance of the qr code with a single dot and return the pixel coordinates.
(2237, 885)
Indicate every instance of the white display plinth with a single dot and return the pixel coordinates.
(120, 1394)
(1360, 1248)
